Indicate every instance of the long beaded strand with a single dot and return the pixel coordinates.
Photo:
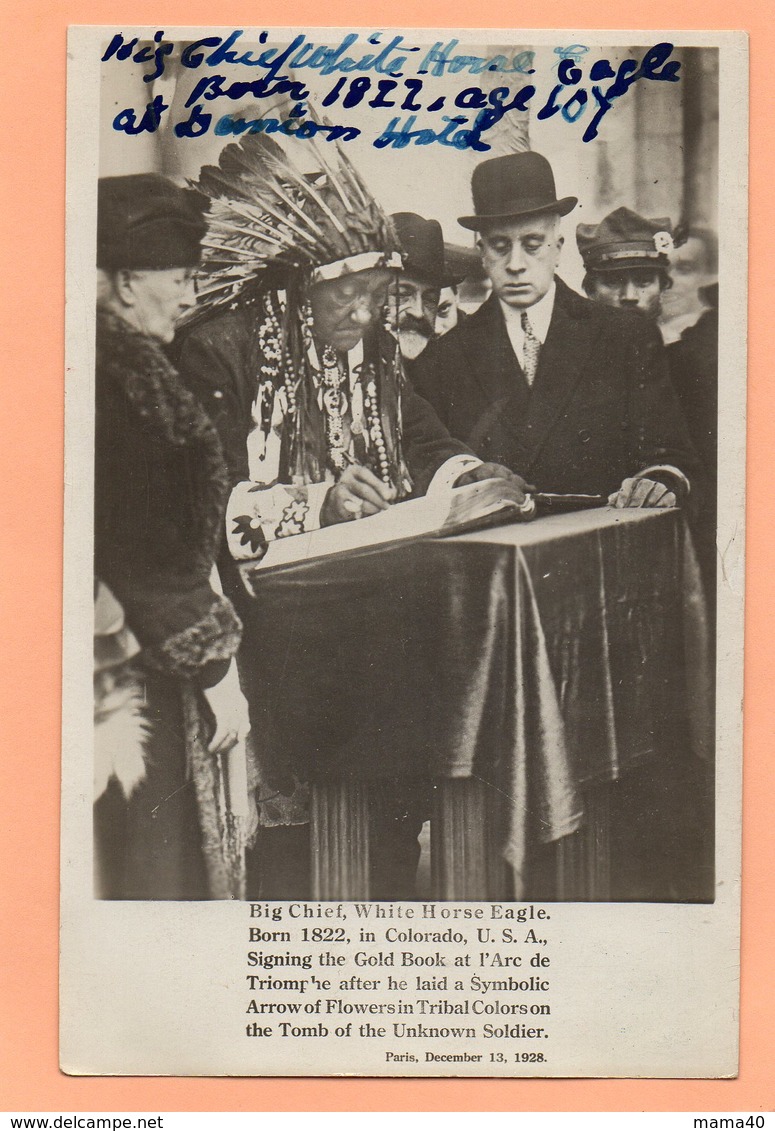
(335, 404)
(376, 434)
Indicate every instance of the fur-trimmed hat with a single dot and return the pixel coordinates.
(145, 222)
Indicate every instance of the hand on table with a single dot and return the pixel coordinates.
(495, 471)
(358, 493)
(637, 492)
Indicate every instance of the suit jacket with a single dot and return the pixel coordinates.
(601, 407)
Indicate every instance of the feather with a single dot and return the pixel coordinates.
(121, 732)
(264, 210)
(309, 191)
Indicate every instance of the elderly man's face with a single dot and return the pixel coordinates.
(631, 288)
(521, 256)
(412, 308)
(156, 300)
(344, 309)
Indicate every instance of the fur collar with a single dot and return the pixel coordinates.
(153, 388)
(134, 369)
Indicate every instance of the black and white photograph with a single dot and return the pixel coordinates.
(405, 486)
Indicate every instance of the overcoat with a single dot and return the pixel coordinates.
(160, 491)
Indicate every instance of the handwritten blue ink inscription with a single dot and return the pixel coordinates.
(581, 90)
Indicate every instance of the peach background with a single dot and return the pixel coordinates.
(32, 55)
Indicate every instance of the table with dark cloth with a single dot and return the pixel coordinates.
(534, 659)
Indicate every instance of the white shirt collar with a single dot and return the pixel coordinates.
(540, 315)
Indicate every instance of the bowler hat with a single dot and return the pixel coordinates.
(624, 239)
(145, 222)
(519, 184)
(422, 245)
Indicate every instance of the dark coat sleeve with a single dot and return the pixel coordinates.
(427, 443)
(426, 373)
(216, 363)
(464, 376)
(661, 435)
(694, 372)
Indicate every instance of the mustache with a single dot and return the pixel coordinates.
(408, 322)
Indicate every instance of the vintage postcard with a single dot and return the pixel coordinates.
(403, 552)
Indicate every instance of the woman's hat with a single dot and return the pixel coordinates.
(519, 184)
(145, 222)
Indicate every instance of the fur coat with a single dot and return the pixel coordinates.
(160, 491)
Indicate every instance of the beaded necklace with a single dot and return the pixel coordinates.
(270, 342)
(376, 434)
(335, 403)
(274, 368)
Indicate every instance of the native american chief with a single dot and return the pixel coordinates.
(292, 360)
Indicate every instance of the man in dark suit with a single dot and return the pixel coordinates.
(572, 396)
(576, 398)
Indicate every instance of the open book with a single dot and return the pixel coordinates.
(449, 512)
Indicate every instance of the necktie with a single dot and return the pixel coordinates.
(532, 349)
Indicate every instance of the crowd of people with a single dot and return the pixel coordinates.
(276, 354)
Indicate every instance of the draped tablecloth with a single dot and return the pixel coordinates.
(537, 657)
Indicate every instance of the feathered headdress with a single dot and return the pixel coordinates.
(273, 231)
(266, 213)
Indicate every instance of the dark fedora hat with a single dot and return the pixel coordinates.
(422, 245)
(146, 222)
(519, 184)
